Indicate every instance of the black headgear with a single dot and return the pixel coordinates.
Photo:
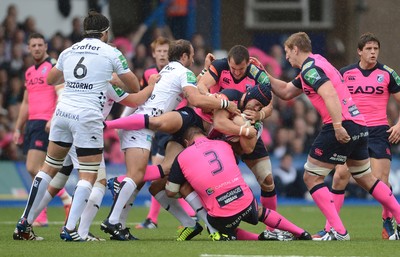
(262, 93)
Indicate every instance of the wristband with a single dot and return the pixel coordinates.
(224, 104)
(262, 115)
(337, 125)
(203, 71)
(247, 132)
(240, 131)
(18, 131)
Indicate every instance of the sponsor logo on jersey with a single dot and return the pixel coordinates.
(351, 78)
(123, 62)
(34, 81)
(338, 158)
(380, 78)
(190, 77)
(118, 90)
(307, 65)
(368, 90)
(79, 85)
(254, 70)
(85, 47)
(353, 110)
(312, 76)
(230, 196)
(263, 79)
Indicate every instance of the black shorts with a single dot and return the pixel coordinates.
(378, 142)
(259, 152)
(159, 143)
(327, 149)
(35, 136)
(189, 119)
(228, 225)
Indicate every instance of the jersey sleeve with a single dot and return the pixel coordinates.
(176, 175)
(119, 62)
(187, 78)
(314, 77)
(394, 84)
(217, 67)
(115, 93)
(259, 76)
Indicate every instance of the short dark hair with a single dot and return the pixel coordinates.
(239, 53)
(95, 24)
(191, 132)
(36, 35)
(177, 48)
(367, 37)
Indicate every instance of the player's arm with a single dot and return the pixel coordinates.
(332, 103)
(22, 118)
(195, 98)
(136, 99)
(55, 77)
(394, 131)
(130, 83)
(207, 62)
(284, 90)
(205, 82)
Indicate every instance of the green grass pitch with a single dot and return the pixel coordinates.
(363, 223)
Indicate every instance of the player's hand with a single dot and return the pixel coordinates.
(17, 139)
(251, 115)
(208, 60)
(154, 78)
(394, 136)
(256, 62)
(342, 136)
(232, 108)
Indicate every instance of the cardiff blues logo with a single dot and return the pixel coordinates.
(380, 78)
(44, 70)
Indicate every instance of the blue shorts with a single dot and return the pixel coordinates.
(35, 136)
(189, 119)
(327, 149)
(228, 225)
(159, 143)
(259, 151)
(378, 142)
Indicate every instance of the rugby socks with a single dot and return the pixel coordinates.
(242, 234)
(154, 210)
(41, 220)
(173, 207)
(385, 212)
(323, 198)
(127, 188)
(382, 193)
(153, 172)
(186, 206)
(38, 189)
(79, 201)
(65, 197)
(338, 199)
(269, 199)
(91, 209)
(194, 202)
(45, 202)
(128, 206)
(274, 220)
(131, 122)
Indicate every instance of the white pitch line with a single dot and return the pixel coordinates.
(239, 255)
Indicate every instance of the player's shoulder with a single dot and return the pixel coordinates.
(353, 66)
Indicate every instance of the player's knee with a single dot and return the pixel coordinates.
(268, 184)
(53, 162)
(262, 170)
(360, 171)
(315, 170)
(157, 186)
(89, 167)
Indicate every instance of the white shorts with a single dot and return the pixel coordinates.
(72, 159)
(81, 127)
(136, 138)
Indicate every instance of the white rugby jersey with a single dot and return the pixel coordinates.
(114, 94)
(87, 67)
(168, 91)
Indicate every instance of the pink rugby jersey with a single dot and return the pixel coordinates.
(42, 98)
(219, 70)
(210, 168)
(371, 90)
(316, 70)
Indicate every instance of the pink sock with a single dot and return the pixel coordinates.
(61, 192)
(42, 217)
(385, 212)
(275, 220)
(382, 193)
(153, 172)
(323, 198)
(131, 122)
(120, 178)
(154, 210)
(188, 209)
(242, 234)
(269, 202)
(338, 199)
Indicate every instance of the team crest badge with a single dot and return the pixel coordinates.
(380, 78)
(44, 70)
